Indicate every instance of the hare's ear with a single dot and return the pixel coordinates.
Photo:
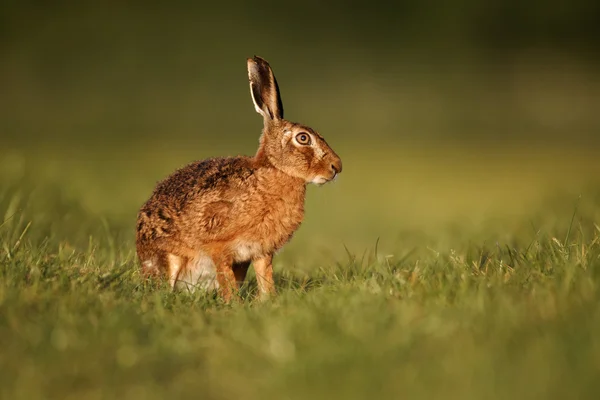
(264, 89)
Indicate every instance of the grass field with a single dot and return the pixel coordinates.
(442, 273)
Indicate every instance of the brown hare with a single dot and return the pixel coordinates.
(205, 223)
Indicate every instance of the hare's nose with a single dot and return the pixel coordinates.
(336, 166)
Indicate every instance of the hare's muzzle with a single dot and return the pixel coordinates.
(336, 166)
(330, 168)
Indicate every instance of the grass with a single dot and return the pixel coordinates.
(504, 304)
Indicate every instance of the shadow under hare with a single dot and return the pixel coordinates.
(204, 224)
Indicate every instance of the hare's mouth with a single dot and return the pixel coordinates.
(320, 179)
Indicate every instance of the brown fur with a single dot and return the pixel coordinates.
(228, 212)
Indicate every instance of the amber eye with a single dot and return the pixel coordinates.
(303, 138)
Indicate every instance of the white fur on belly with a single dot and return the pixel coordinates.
(245, 250)
(199, 274)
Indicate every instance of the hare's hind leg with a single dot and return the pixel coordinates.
(150, 267)
(161, 264)
(175, 265)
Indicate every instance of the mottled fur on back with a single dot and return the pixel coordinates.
(187, 184)
(199, 203)
(205, 223)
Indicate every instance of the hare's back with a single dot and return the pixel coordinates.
(191, 191)
(202, 179)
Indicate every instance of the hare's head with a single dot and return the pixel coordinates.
(293, 148)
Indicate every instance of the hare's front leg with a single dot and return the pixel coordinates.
(226, 279)
(263, 268)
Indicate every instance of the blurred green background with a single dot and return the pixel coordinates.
(462, 112)
(468, 132)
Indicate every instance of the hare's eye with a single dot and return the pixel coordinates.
(303, 138)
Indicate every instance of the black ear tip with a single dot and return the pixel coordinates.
(260, 60)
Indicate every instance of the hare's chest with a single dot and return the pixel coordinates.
(279, 224)
(269, 230)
